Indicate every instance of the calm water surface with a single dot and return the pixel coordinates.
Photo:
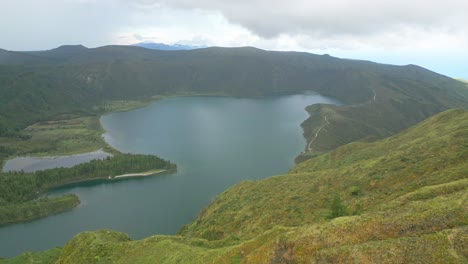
(215, 141)
(31, 164)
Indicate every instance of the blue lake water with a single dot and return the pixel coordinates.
(215, 142)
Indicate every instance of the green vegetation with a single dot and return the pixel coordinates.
(72, 81)
(402, 199)
(337, 208)
(20, 192)
(124, 105)
(49, 256)
(31, 210)
(62, 137)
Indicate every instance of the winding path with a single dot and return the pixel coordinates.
(309, 146)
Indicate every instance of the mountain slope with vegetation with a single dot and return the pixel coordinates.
(402, 199)
(401, 194)
(72, 81)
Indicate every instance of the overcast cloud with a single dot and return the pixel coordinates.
(269, 18)
(430, 33)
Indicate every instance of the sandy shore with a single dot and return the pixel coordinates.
(143, 174)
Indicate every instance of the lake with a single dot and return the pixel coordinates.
(215, 142)
(31, 164)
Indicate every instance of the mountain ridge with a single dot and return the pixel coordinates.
(86, 78)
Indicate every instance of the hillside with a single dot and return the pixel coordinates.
(402, 199)
(72, 81)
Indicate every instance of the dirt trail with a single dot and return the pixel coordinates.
(309, 146)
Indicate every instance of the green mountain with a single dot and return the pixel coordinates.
(73, 80)
(379, 99)
(402, 199)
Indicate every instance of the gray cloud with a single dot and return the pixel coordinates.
(293, 24)
(331, 17)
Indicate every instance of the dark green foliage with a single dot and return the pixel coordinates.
(337, 208)
(21, 187)
(27, 211)
(101, 169)
(19, 191)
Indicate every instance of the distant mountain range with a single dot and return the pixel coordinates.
(162, 46)
(379, 99)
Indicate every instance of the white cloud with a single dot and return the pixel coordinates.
(343, 27)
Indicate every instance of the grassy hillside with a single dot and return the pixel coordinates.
(402, 199)
(73, 81)
(402, 194)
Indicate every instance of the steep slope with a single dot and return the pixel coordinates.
(365, 175)
(402, 199)
(396, 103)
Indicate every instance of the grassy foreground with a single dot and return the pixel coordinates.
(402, 199)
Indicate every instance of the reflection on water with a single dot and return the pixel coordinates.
(31, 164)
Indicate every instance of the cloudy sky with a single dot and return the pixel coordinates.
(430, 33)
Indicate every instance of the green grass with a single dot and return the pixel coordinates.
(124, 105)
(49, 256)
(63, 137)
(404, 200)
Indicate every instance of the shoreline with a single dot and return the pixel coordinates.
(65, 161)
(141, 174)
(116, 106)
(112, 178)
